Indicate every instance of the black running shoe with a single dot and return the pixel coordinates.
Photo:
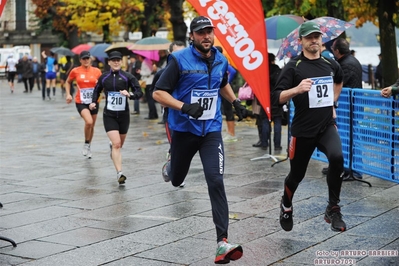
(324, 171)
(286, 221)
(121, 178)
(333, 216)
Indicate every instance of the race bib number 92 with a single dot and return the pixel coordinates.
(321, 93)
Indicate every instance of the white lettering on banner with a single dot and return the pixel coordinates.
(235, 33)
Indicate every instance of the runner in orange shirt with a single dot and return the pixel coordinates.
(86, 78)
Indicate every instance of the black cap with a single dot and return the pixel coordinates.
(200, 23)
(114, 55)
(271, 57)
(84, 54)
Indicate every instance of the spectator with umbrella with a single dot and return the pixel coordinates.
(133, 68)
(147, 71)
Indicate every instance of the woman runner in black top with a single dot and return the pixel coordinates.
(116, 116)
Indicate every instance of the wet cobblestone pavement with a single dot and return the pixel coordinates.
(64, 209)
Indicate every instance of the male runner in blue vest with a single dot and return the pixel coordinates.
(191, 87)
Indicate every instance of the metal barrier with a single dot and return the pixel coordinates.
(370, 135)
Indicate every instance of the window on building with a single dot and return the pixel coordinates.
(21, 15)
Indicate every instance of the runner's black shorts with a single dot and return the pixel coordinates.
(11, 76)
(63, 76)
(81, 106)
(120, 122)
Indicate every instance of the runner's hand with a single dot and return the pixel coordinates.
(241, 111)
(68, 98)
(134, 96)
(195, 109)
(92, 106)
(304, 86)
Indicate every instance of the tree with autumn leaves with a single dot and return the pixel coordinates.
(72, 17)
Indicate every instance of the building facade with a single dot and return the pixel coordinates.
(18, 26)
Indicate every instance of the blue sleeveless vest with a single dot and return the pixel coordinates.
(194, 74)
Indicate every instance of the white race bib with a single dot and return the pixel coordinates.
(321, 93)
(208, 100)
(86, 95)
(116, 101)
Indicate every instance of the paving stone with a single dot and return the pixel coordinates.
(96, 254)
(127, 224)
(36, 249)
(174, 230)
(34, 216)
(129, 261)
(11, 260)
(45, 228)
(82, 236)
(185, 251)
(34, 202)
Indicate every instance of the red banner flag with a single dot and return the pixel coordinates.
(240, 28)
(2, 5)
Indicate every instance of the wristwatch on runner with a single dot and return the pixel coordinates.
(335, 105)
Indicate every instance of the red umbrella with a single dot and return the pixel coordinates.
(81, 47)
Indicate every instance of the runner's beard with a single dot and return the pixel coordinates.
(201, 48)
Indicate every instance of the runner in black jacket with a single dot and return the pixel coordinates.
(116, 116)
(314, 84)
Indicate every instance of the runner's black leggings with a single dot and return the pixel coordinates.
(183, 148)
(301, 150)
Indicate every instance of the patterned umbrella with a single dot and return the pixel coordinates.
(80, 48)
(331, 28)
(278, 27)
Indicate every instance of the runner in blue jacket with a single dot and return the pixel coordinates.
(191, 86)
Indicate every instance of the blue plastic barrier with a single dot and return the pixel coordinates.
(375, 133)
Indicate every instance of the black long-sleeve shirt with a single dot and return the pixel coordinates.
(112, 82)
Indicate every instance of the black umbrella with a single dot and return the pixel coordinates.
(120, 47)
(62, 51)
